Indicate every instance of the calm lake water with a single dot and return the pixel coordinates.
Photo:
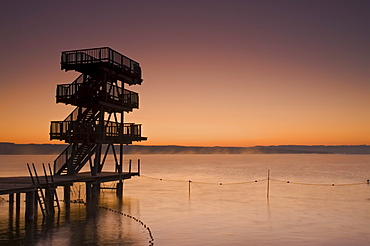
(225, 206)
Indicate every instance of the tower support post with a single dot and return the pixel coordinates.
(67, 197)
(119, 189)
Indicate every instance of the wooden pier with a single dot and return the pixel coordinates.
(14, 186)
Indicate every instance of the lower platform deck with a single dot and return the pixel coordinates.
(22, 184)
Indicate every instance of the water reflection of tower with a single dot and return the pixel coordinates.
(97, 123)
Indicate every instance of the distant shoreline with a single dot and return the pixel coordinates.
(49, 149)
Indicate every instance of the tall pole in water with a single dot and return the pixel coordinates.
(268, 183)
(189, 187)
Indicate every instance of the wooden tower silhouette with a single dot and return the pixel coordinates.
(97, 123)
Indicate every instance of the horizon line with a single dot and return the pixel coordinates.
(214, 146)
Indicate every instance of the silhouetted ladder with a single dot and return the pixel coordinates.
(40, 192)
(53, 195)
(46, 208)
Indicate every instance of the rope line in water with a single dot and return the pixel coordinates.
(200, 182)
(316, 184)
(151, 241)
(255, 181)
(172, 180)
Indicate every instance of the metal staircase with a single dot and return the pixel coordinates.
(73, 158)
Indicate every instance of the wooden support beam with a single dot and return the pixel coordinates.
(96, 187)
(11, 210)
(17, 204)
(11, 203)
(67, 197)
(30, 206)
(49, 200)
(119, 189)
(120, 169)
(88, 191)
(92, 191)
(115, 158)
(97, 160)
(104, 158)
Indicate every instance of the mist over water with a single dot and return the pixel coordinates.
(225, 206)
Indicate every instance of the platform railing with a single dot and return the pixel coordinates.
(96, 55)
(68, 93)
(118, 95)
(110, 131)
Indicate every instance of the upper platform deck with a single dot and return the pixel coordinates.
(102, 60)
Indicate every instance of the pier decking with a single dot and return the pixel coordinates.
(11, 185)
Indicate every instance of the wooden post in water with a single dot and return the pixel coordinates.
(92, 191)
(89, 191)
(138, 166)
(30, 206)
(119, 189)
(17, 205)
(189, 187)
(67, 196)
(49, 200)
(97, 189)
(11, 204)
(268, 183)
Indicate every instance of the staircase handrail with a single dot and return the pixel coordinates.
(119, 95)
(67, 90)
(62, 158)
(74, 114)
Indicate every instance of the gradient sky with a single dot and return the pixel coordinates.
(225, 73)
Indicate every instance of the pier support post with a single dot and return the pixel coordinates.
(119, 189)
(11, 211)
(49, 199)
(92, 191)
(97, 188)
(67, 197)
(17, 206)
(88, 191)
(11, 204)
(30, 206)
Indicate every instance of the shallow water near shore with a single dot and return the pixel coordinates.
(222, 205)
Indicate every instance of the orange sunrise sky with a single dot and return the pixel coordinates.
(216, 73)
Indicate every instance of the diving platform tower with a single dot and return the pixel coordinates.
(97, 124)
